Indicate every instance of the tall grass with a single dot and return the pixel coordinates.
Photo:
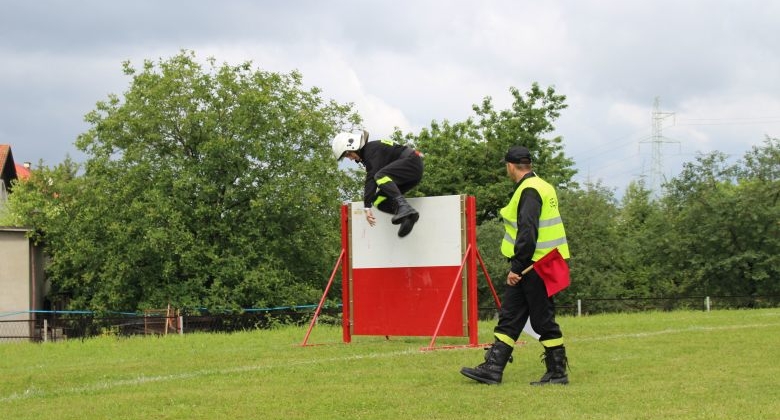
(659, 365)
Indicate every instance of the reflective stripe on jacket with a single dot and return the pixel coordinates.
(551, 232)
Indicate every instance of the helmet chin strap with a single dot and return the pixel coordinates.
(358, 159)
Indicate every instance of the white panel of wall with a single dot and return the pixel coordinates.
(437, 238)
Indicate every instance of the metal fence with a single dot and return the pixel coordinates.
(592, 306)
(60, 325)
(704, 303)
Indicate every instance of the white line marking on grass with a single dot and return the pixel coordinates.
(671, 331)
(140, 380)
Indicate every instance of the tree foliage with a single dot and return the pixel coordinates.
(204, 187)
(713, 232)
(463, 157)
(725, 221)
(214, 186)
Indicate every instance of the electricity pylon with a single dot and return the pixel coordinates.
(657, 138)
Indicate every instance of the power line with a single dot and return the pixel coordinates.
(729, 121)
(608, 147)
(732, 118)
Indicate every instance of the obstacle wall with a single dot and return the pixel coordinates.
(411, 286)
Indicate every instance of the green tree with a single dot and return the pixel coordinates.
(725, 239)
(759, 174)
(463, 157)
(489, 236)
(204, 187)
(597, 271)
(44, 200)
(638, 225)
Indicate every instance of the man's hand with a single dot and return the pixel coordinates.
(370, 217)
(513, 278)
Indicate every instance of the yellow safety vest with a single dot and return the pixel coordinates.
(551, 232)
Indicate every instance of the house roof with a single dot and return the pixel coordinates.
(5, 151)
(22, 172)
(7, 167)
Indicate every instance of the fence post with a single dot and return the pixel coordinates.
(579, 307)
(707, 303)
(45, 330)
(181, 324)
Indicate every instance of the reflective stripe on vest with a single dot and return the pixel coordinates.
(551, 231)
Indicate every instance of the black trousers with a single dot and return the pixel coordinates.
(406, 173)
(528, 298)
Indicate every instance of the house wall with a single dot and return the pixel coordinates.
(20, 292)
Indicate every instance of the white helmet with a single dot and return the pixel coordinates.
(348, 142)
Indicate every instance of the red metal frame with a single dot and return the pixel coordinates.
(345, 273)
(489, 282)
(322, 300)
(469, 263)
(471, 253)
(471, 322)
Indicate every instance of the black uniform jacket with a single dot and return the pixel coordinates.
(375, 155)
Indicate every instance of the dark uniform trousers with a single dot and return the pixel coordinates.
(406, 173)
(528, 298)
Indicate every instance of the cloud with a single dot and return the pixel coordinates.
(404, 64)
(745, 119)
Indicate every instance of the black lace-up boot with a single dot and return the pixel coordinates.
(492, 370)
(407, 224)
(556, 362)
(403, 210)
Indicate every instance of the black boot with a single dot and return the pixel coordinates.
(407, 224)
(556, 362)
(492, 370)
(403, 210)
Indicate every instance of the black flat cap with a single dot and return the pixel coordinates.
(517, 154)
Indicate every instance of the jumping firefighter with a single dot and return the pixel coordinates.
(391, 171)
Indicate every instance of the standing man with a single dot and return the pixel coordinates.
(391, 171)
(533, 228)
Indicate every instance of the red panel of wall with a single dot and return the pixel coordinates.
(406, 301)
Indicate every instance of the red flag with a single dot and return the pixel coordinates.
(554, 271)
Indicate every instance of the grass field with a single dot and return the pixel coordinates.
(659, 365)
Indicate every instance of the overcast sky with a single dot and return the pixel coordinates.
(715, 64)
